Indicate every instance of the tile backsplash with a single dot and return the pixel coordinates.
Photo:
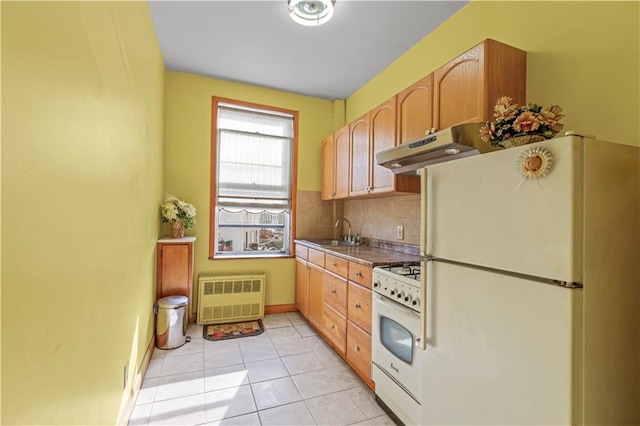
(375, 218)
(315, 218)
(379, 217)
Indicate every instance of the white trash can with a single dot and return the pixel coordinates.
(171, 322)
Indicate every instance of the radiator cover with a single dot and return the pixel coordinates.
(230, 298)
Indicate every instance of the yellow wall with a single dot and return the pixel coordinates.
(82, 178)
(581, 55)
(188, 158)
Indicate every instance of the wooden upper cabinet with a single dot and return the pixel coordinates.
(343, 161)
(360, 156)
(328, 168)
(382, 135)
(466, 88)
(415, 110)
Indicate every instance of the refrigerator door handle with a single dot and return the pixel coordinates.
(423, 211)
(425, 278)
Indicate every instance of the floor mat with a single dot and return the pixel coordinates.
(232, 330)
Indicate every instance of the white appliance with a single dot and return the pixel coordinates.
(531, 288)
(395, 355)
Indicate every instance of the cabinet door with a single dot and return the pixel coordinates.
(361, 274)
(360, 156)
(466, 89)
(459, 90)
(415, 114)
(316, 299)
(335, 292)
(382, 128)
(359, 349)
(335, 328)
(302, 287)
(328, 168)
(359, 309)
(341, 146)
(175, 272)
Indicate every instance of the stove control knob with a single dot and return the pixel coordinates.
(376, 284)
(394, 291)
(407, 298)
(400, 295)
(416, 302)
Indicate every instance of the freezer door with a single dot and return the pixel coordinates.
(480, 211)
(500, 350)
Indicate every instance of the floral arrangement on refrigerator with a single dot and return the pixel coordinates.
(516, 125)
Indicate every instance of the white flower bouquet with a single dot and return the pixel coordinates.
(174, 208)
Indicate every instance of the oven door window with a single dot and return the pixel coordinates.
(396, 339)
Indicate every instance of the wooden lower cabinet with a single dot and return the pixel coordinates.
(302, 286)
(359, 306)
(337, 301)
(175, 270)
(315, 302)
(335, 328)
(359, 349)
(335, 292)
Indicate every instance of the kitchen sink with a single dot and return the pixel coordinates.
(332, 242)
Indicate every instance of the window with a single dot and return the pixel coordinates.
(252, 179)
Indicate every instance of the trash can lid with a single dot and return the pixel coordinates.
(173, 301)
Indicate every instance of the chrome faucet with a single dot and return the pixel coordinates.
(344, 219)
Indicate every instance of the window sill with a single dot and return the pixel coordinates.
(251, 256)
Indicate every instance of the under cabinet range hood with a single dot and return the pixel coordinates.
(449, 144)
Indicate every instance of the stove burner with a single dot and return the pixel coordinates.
(411, 270)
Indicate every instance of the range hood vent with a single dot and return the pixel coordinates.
(456, 142)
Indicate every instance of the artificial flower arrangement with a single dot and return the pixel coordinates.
(174, 208)
(513, 121)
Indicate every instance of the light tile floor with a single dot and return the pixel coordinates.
(287, 375)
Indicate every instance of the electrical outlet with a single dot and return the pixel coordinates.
(126, 376)
(400, 232)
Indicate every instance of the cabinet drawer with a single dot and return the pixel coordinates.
(316, 257)
(335, 292)
(359, 309)
(302, 252)
(359, 349)
(335, 328)
(337, 265)
(360, 274)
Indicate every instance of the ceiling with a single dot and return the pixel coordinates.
(256, 42)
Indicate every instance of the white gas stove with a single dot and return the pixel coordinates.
(400, 283)
(395, 355)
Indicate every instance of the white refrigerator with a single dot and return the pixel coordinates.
(531, 313)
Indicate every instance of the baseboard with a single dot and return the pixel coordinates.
(137, 384)
(279, 309)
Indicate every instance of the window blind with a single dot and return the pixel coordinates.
(254, 159)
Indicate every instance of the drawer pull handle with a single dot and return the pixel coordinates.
(333, 291)
(333, 327)
(358, 306)
(356, 348)
(333, 264)
(358, 274)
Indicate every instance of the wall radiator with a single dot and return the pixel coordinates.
(230, 298)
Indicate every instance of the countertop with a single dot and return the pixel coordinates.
(366, 255)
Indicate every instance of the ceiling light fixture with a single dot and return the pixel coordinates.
(311, 12)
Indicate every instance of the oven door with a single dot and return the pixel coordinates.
(395, 329)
